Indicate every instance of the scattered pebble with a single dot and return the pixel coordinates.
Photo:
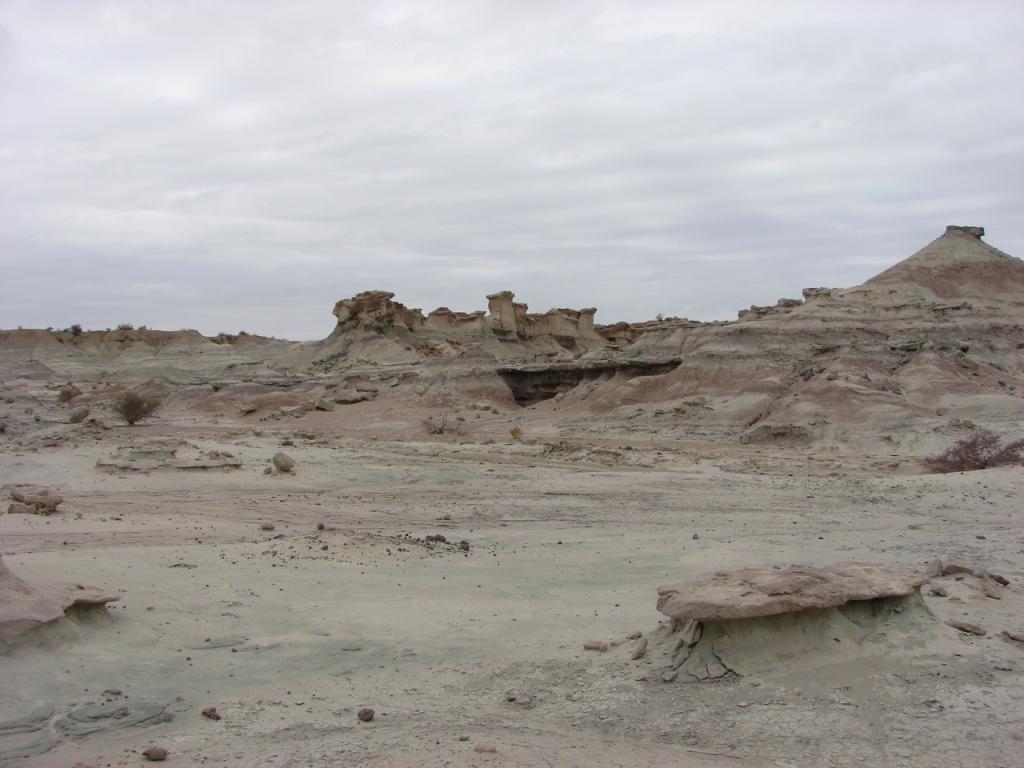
(966, 627)
(156, 754)
(365, 714)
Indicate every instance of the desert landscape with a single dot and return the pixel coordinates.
(499, 537)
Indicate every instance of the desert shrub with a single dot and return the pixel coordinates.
(516, 432)
(979, 450)
(76, 330)
(125, 327)
(67, 393)
(133, 407)
(440, 425)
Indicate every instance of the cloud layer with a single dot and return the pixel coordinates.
(244, 164)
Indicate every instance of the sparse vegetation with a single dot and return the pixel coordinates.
(980, 450)
(125, 327)
(516, 432)
(440, 425)
(76, 330)
(133, 407)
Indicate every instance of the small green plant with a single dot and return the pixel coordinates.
(134, 407)
(979, 450)
(516, 432)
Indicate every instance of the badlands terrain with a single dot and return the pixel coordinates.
(476, 497)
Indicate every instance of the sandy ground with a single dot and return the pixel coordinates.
(288, 632)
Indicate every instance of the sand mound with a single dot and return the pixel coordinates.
(775, 621)
(26, 607)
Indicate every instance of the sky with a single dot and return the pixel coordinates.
(243, 165)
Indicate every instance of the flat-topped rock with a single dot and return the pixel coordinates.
(754, 592)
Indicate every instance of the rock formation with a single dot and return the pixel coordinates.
(25, 607)
(504, 318)
(770, 620)
(933, 342)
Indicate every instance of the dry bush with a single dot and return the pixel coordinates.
(980, 450)
(516, 432)
(133, 407)
(439, 425)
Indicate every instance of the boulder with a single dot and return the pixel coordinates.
(323, 405)
(283, 462)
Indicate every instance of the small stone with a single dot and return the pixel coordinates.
(267, 470)
(267, 527)
(992, 588)
(464, 545)
(935, 569)
(939, 591)
(156, 754)
(463, 738)
(212, 713)
(365, 714)
(283, 462)
(669, 676)
(966, 627)
(1017, 637)
(952, 569)
(640, 651)
(321, 527)
(79, 414)
(485, 748)
(595, 645)
(695, 536)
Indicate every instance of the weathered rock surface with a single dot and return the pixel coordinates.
(25, 607)
(164, 456)
(755, 592)
(36, 501)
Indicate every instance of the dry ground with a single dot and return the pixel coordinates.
(289, 632)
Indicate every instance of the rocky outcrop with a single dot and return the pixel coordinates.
(505, 318)
(756, 592)
(34, 501)
(25, 607)
(765, 621)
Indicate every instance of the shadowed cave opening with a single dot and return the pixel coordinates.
(532, 385)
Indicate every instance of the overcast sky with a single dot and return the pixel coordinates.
(226, 165)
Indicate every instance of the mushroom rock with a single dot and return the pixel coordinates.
(503, 312)
(25, 607)
(764, 620)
